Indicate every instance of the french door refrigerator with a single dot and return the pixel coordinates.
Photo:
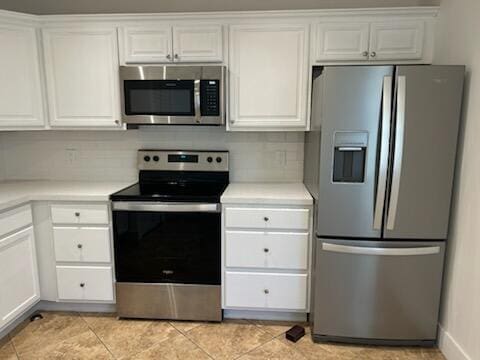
(379, 162)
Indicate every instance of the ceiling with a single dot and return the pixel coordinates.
(42, 7)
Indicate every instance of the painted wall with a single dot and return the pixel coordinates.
(112, 155)
(148, 6)
(458, 43)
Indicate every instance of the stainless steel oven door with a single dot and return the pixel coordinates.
(173, 95)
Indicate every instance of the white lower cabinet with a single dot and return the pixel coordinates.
(266, 257)
(266, 290)
(91, 283)
(18, 275)
(82, 244)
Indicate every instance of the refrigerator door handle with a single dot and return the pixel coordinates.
(358, 250)
(398, 152)
(384, 148)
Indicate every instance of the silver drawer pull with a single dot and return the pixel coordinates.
(266, 250)
(82, 285)
(77, 214)
(266, 218)
(79, 246)
(266, 291)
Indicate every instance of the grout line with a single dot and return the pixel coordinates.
(96, 335)
(255, 348)
(10, 340)
(198, 346)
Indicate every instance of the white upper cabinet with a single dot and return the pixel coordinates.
(146, 45)
(82, 77)
(342, 41)
(198, 43)
(21, 104)
(165, 44)
(397, 40)
(268, 77)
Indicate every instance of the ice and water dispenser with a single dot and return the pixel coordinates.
(349, 157)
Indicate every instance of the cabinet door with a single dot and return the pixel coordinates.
(21, 102)
(198, 43)
(82, 77)
(268, 77)
(18, 275)
(341, 41)
(146, 44)
(397, 40)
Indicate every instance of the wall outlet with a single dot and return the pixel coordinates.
(72, 156)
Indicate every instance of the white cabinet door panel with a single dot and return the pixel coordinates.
(91, 283)
(268, 76)
(341, 41)
(271, 250)
(82, 77)
(18, 275)
(198, 43)
(21, 103)
(266, 290)
(147, 44)
(14, 219)
(82, 244)
(397, 40)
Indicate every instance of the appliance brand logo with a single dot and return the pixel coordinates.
(167, 272)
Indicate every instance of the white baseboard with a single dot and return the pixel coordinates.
(77, 307)
(265, 315)
(449, 347)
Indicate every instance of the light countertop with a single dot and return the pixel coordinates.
(13, 193)
(267, 193)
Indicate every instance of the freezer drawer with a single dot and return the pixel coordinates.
(371, 291)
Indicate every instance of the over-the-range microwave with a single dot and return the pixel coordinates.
(173, 95)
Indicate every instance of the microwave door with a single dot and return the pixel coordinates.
(349, 151)
(427, 113)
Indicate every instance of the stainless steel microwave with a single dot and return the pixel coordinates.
(173, 95)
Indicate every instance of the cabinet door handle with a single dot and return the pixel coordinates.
(168, 56)
(266, 218)
(266, 250)
(365, 54)
(176, 56)
(77, 214)
(79, 246)
(266, 291)
(82, 285)
(373, 54)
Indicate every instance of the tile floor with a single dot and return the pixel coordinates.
(102, 336)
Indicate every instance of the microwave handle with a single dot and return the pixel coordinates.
(196, 100)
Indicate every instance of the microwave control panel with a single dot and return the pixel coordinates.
(210, 97)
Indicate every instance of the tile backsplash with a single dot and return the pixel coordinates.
(111, 155)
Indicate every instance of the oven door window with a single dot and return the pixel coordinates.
(159, 97)
(167, 247)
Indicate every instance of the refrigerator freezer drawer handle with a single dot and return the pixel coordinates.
(358, 250)
(384, 148)
(398, 153)
(350, 149)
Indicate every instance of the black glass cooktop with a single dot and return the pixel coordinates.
(171, 186)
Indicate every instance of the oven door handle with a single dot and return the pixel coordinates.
(165, 207)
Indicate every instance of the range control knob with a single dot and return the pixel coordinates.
(209, 159)
(146, 158)
(156, 158)
(219, 159)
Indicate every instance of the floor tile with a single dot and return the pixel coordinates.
(228, 340)
(85, 346)
(7, 351)
(184, 326)
(273, 350)
(277, 328)
(176, 348)
(52, 329)
(128, 337)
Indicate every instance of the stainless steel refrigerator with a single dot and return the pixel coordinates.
(379, 162)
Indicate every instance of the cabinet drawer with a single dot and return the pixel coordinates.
(79, 214)
(255, 249)
(14, 219)
(82, 244)
(85, 283)
(264, 218)
(265, 290)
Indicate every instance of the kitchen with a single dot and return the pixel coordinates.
(265, 221)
